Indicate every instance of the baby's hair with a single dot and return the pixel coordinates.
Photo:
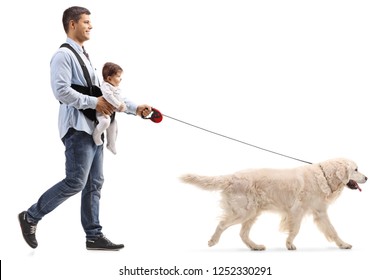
(110, 69)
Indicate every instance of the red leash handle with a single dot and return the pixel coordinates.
(155, 116)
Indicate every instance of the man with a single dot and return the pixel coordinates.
(84, 159)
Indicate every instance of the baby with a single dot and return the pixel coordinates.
(111, 92)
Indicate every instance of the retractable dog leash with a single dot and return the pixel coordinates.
(156, 116)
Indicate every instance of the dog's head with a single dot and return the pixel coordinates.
(342, 172)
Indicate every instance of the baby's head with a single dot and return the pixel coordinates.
(112, 73)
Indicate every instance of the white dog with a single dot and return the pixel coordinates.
(308, 189)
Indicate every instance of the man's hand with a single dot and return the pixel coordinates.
(104, 107)
(144, 110)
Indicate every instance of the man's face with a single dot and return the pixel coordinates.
(82, 28)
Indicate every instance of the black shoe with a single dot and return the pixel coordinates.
(102, 243)
(28, 230)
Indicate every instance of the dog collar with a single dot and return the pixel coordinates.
(323, 173)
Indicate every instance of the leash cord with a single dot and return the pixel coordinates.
(239, 141)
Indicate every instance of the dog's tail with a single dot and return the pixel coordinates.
(208, 183)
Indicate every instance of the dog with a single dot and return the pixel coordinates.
(293, 193)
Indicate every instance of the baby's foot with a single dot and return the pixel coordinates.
(112, 149)
(97, 138)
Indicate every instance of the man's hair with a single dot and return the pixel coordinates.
(73, 13)
(110, 69)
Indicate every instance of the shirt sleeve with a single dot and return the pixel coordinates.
(131, 107)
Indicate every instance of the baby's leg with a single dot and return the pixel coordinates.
(104, 122)
(112, 132)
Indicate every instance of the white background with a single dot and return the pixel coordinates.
(304, 78)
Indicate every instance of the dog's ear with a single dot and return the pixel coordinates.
(335, 172)
(343, 171)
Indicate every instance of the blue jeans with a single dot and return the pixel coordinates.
(84, 172)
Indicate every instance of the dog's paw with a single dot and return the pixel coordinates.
(212, 242)
(290, 246)
(258, 248)
(344, 246)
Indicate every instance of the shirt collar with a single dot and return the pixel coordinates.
(76, 46)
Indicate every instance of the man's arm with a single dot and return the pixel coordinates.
(61, 80)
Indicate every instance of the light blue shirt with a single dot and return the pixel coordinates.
(65, 70)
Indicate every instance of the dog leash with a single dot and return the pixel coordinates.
(156, 116)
